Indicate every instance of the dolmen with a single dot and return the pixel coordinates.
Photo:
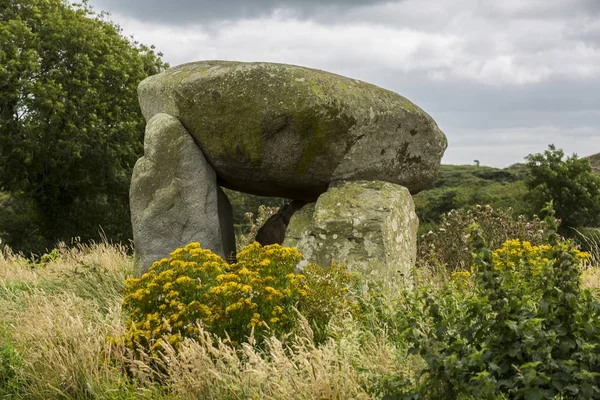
(348, 154)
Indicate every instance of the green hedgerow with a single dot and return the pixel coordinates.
(258, 294)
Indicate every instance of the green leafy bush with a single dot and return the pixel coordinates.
(258, 294)
(570, 183)
(447, 248)
(518, 326)
(9, 364)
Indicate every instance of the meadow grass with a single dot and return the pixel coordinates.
(61, 324)
(590, 278)
(61, 330)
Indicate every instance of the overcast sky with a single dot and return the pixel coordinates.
(502, 78)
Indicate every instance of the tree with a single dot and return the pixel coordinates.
(70, 125)
(570, 184)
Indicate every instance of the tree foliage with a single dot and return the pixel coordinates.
(70, 125)
(570, 184)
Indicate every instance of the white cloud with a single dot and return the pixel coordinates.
(498, 52)
(464, 55)
(302, 42)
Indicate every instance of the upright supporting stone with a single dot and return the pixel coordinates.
(175, 198)
(370, 227)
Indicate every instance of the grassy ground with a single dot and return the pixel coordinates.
(59, 338)
(61, 321)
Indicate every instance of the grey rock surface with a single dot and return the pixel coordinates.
(175, 198)
(288, 131)
(370, 227)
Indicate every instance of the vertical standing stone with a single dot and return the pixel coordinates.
(370, 227)
(175, 198)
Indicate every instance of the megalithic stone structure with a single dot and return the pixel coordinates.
(174, 196)
(271, 130)
(368, 226)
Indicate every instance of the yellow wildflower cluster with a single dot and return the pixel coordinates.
(529, 261)
(516, 254)
(196, 287)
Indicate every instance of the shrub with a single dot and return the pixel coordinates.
(517, 326)
(258, 294)
(329, 295)
(447, 247)
(570, 183)
(9, 363)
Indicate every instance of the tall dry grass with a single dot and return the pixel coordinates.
(62, 321)
(61, 324)
(590, 278)
(57, 317)
(211, 369)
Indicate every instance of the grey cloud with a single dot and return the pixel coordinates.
(588, 33)
(537, 9)
(424, 13)
(496, 116)
(202, 11)
(501, 125)
(434, 15)
(555, 95)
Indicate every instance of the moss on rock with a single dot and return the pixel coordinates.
(370, 227)
(283, 130)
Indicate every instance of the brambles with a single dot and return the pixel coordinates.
(447, 247)
(256, 295)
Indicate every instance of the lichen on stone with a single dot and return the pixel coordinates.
(323, 125)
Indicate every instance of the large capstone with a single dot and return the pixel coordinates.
(174, 196)
(370, 227)
(289, 131)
